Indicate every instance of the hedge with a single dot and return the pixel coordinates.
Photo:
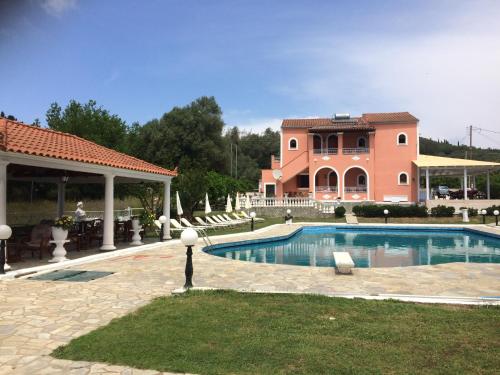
(373, 210)
(442, 211)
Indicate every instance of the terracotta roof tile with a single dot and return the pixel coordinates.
(389, 117)
(366, 119)
(26, 139)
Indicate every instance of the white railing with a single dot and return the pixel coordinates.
(279, 202)
(326, 151)
(326, 189)
(355, 150)
(355, 189)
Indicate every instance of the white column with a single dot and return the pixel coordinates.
(166, 209)
(427, 185)
(488, 185)
(418, 184)
(61, 187)
(3, 191)
(465, 184)
(108, 235)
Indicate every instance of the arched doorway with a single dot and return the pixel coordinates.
(356, 184)
(332, 143)
(317, 144)
(326, 183)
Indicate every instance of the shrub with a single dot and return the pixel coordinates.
(340, 211)
(395, 210)
(473, 211)
(442, 211)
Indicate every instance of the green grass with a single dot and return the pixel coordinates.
(235, 333)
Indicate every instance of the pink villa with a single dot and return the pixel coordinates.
(373, 157)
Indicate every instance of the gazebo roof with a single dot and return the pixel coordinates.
(442, 166)
(429, 161)
(25, 139)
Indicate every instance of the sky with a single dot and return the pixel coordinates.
(262, 60)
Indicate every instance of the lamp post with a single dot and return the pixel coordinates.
(5, 233)
(252, 215)
(189, 237)
(386, 213)
(483, 212)
(162, 219)
(288, 217)
(496, 213)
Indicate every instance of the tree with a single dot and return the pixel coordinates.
(189, 137)
(90, 122)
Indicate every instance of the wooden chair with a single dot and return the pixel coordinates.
(38, 240)
(95, 232)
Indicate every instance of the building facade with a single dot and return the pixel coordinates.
(365, 158)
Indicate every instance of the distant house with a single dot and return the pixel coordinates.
(373, 157)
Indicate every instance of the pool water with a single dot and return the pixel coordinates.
(369, 247)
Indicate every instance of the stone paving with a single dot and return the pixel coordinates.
(38, 316)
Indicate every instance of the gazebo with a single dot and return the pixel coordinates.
(428, 166)
(43, 155)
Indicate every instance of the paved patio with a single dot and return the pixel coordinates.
(38, 316)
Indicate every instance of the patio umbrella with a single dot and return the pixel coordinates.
(229, 205)
(178, 204)
(237, 206)
(248, 204)
(207, 205)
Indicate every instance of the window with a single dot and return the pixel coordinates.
(402, 139)
(293, 144)
(403, 178)
(303, 181)
(362, 142)
(361, 180)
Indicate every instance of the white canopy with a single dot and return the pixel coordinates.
(229, 204)
(248, 204)
(178, 204)
(237, 206)
(207, 205)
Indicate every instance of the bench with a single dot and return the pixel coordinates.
(343, 262)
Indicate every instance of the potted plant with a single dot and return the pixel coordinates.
(61, 227)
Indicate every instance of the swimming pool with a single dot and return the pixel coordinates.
(368, 246)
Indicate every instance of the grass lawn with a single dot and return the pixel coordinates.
(235, 333)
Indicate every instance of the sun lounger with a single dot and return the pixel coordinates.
(240, 218)
(208, 225)
(213, 221)
(190, 225)
(244, 214)
(343, 262)
(238, 221)
(225, 220)
(178, 226)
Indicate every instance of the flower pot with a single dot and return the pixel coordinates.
(135, 224)
(59, 234)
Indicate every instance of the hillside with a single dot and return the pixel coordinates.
(444, 148)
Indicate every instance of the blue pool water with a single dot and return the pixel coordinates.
(369, 247)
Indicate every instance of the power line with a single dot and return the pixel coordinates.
(479, 130)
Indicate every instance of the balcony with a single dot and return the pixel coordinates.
(355, 150)
(326, 189)
(325, 151)
(355, 189)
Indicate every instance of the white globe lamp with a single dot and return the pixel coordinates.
(5, 233)
(189, 237)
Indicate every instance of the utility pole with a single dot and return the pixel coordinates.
(470, 142)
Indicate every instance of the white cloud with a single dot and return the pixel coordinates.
(449, 78)
(58, 7)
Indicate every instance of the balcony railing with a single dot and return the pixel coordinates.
(326, 189)
(355, 150)
(326, 151)
(355, 189)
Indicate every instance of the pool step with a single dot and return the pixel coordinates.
(351, 219)
(343, 262)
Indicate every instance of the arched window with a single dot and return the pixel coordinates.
(362, 142)
(293, 144)
(402, 139)
(403, 178)
(361, 180)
